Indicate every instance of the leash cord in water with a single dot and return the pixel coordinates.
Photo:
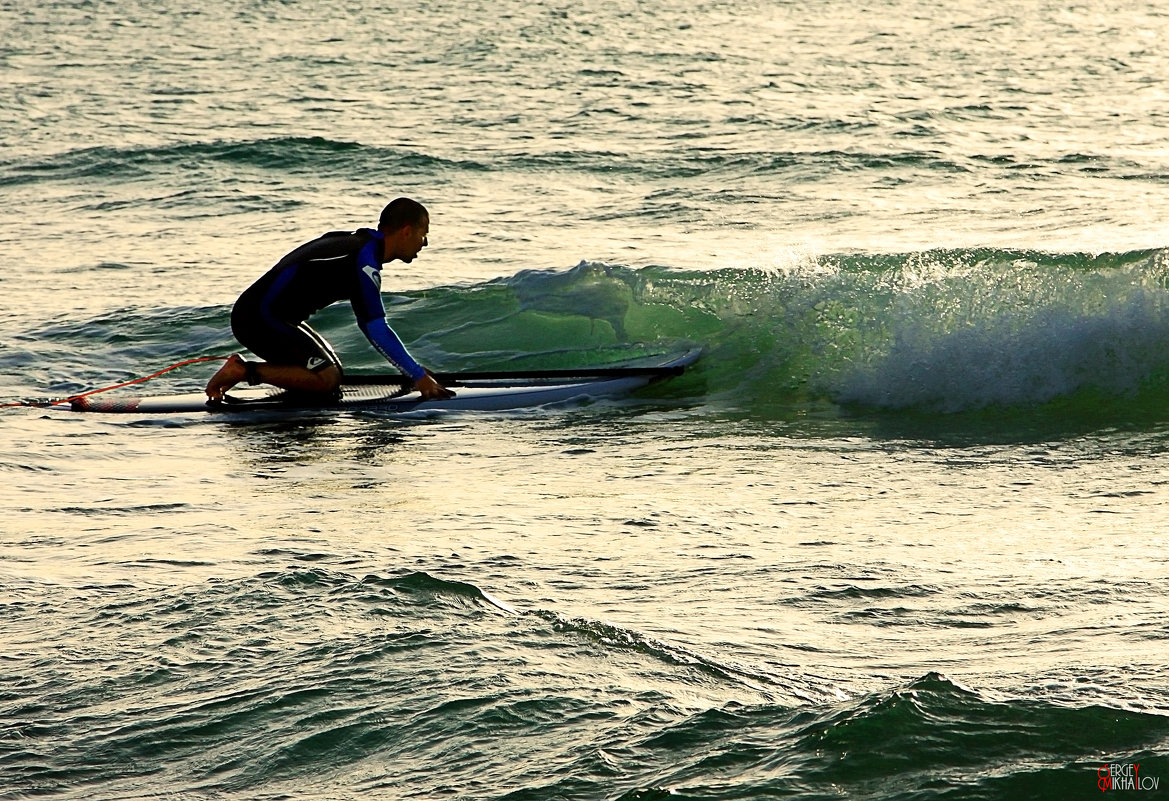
(72, 398)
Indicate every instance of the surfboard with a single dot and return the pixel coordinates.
(475, 391)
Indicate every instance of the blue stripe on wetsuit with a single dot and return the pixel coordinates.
(283, 279)
(374, 326)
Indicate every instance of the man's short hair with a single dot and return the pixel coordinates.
(400, 212)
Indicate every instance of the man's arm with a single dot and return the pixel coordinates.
(371, 318)
(382, 337)
(389, 344)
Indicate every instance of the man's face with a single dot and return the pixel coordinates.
(414, 239)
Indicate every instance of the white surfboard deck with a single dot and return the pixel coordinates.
(479, 392)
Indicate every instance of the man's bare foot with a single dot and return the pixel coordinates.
(230, 374)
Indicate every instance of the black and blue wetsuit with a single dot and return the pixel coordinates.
(269, 317)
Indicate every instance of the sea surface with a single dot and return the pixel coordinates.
(901, 533)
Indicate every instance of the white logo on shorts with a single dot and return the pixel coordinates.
(315, 362)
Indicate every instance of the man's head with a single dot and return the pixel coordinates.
(405, 224)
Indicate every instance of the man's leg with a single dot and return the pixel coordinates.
(285, 376)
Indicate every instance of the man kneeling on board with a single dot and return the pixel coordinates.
(269, 317)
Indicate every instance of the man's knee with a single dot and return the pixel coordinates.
(328, 378)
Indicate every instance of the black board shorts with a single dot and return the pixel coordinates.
(280, 343)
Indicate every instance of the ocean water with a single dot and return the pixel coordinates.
(899, 534)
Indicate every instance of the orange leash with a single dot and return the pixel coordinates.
(71, 398)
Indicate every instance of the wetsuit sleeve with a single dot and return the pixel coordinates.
(382, 337)
(371, 314)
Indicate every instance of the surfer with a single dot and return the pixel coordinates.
(269, 317)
